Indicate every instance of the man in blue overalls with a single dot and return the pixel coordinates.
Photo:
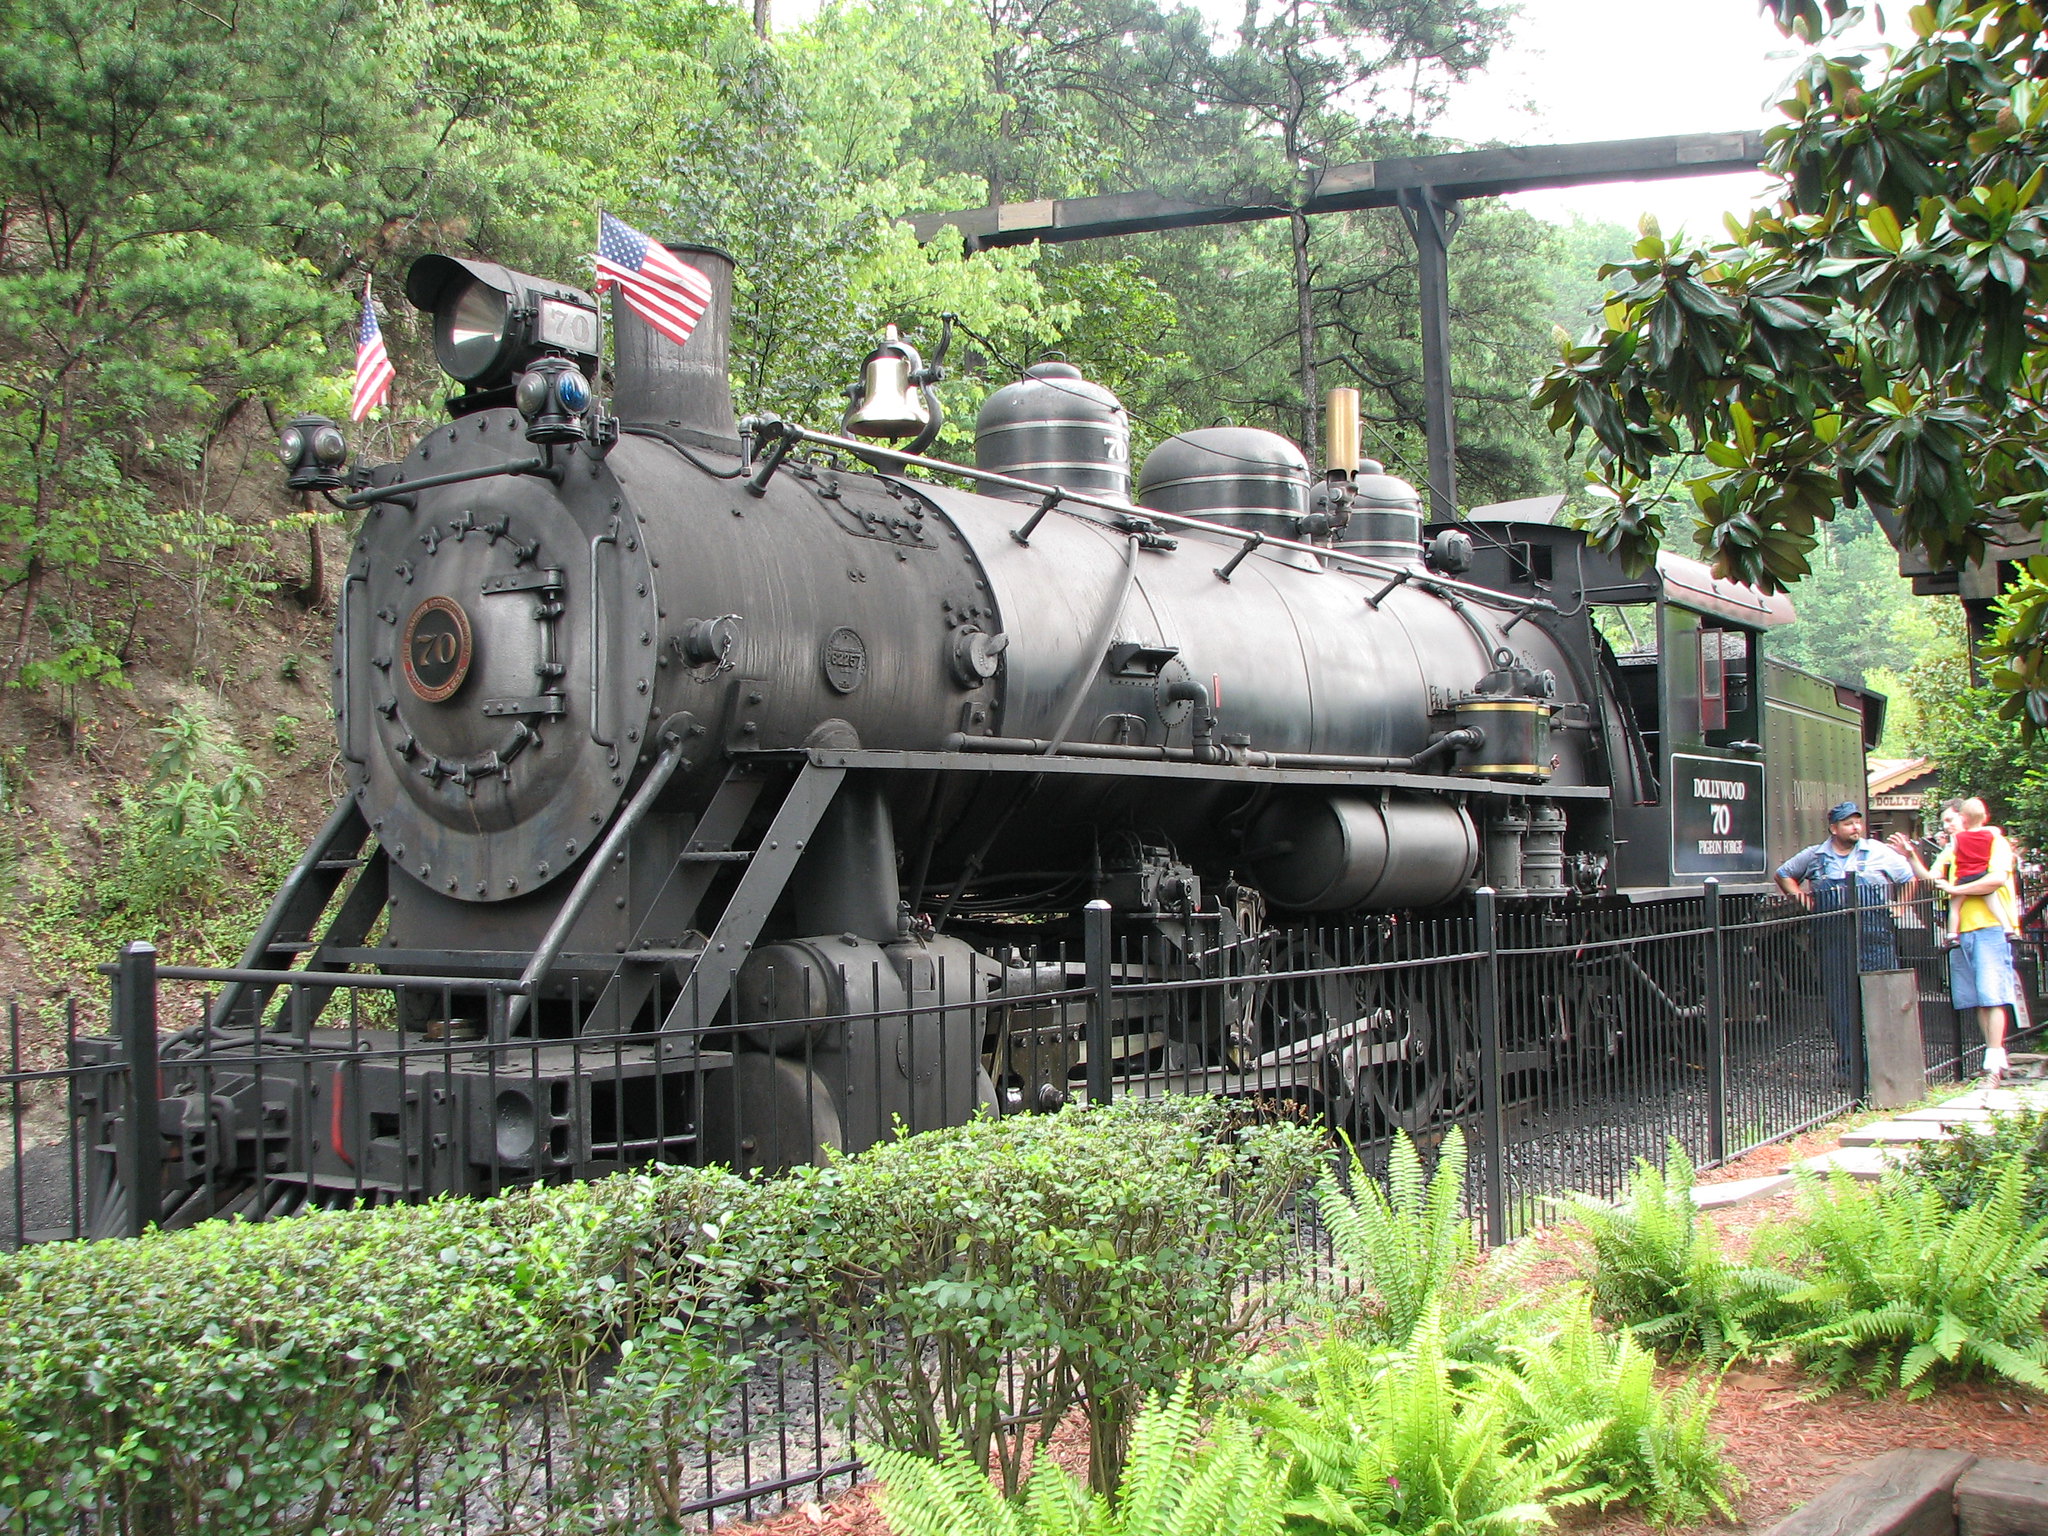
(1820, 878)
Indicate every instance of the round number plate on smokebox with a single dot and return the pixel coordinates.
(437, 648)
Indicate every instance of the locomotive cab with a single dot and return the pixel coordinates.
(1721, 758)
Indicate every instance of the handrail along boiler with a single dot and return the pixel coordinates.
(701, 739)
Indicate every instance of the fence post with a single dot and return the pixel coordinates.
(1486, 909)
(1095, 932)
(1859, 1055)
(1717, 1027)
(141, 1150)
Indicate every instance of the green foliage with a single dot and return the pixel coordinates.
(326, 1365)
(1865, 339)
(1967, 1163)
(288, 1376)
(1183, 1479)
(174, 836)
(1403, 1244)
(1905, 1290)
(1858, 622)
(1906, 1283)
(1655, 1450)
(1655, 1272)
(284, 735)
(195, 195)
(1090, 1258)
(1541, 1369)
(1375, 1444)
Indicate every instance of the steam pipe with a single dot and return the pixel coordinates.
(1203, 729)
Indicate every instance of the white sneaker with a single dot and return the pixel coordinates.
(1994, 1065)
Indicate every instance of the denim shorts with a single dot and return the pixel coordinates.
(1980, 970)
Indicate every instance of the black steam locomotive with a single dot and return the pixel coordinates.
(769, 775)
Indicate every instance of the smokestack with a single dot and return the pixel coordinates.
(657, 383)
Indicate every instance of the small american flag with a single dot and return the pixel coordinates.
(373, 365)
(664, 292)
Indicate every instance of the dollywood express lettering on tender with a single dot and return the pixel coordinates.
(1717, 816)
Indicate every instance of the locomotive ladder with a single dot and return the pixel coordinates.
(287, 928)
(708, 967)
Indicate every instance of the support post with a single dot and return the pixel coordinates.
(1859, 1068)
(1432, 219)
(1101, 985)
(141, 1151)
(1488, 913)
(1717, 1027)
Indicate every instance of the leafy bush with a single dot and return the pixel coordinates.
(1181, 1480)
(301, 1375)
(1655, 1272)
(1905, 1289)
(1111, 1249)
(1654, 1450)
(1965, 1165)
(1376, 1443)
(196, 810)
(1403, 1244)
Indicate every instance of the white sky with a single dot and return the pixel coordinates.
(1623, 69)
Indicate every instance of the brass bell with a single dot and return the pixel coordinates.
(886, 404)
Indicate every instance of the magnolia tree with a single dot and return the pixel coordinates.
(1877, 336)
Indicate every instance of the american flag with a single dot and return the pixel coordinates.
(373, 365)
(664, 292)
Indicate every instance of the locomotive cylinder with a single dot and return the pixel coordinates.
(1345, 852)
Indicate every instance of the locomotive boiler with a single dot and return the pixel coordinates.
(764, 773)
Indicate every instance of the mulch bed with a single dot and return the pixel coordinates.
(1785, 1446)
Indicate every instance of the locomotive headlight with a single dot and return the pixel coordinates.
(553, 396)
(491, 322)
(312, 450)
(330, 448)
(469, 332)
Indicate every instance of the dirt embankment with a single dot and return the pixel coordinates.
(253, 664)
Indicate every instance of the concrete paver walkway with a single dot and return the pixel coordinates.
(1869, 1151)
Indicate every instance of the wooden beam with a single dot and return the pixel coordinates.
(1362, 184)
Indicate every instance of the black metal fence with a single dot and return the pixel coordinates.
(1565, 1046)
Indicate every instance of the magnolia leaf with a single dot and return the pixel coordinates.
(1745, 428)
(1882, 225)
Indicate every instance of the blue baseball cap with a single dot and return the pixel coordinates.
(1843, 811)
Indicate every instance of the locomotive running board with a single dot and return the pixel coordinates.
(1154, 768)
